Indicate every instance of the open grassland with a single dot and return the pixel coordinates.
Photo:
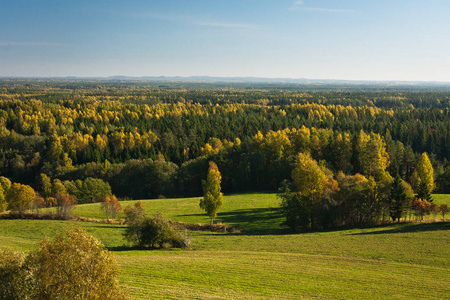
(249, 212)
(441, 198)
(398, 261)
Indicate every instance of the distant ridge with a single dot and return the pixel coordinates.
(213, 79)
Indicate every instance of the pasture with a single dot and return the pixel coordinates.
(397, 261)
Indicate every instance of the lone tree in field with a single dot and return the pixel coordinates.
(212, 197)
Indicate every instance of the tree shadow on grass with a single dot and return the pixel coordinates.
(410, 227)
(255, 221)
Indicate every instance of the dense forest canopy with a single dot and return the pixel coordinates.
(148, 139)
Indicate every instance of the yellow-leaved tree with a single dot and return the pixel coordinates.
(20, 197)
(212, 196)
(74, 265)
(309, 181)
(425, 171)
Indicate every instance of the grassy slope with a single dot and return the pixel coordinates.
(441, 198)
(406, 261)
(250, 212)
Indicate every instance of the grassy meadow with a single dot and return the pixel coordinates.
(397, 261)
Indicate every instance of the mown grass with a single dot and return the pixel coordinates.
(397, 261)
(258, 213)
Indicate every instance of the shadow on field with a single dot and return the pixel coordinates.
(251, 221)
(405, 228)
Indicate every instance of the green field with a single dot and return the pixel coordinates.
(405, 261)
(441, 198)
(255, 213)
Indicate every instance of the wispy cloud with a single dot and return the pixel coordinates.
(195, 21)
(41, 44)
(299, 5)
(225, 25)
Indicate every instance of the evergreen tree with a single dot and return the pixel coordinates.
(397, 199)
(423, 192)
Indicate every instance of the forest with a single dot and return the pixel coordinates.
(140, 140)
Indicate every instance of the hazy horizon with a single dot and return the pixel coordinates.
(346, 40)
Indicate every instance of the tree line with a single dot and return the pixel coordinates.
(149, 141)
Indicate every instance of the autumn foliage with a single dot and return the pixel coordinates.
(111, 206)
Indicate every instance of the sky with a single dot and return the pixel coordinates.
(403, 40)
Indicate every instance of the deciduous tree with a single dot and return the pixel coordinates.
(308, 182)
(212, 196)
(443, 209)
(111, 206)
(74, 266)
(425, 171)
(20, 197)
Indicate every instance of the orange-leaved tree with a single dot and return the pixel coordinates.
(111, 206)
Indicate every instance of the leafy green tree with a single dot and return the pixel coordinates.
(3, 203)
(58, 187)
(20, 197)
(295, 208)
(212, 199)
(397, 199)
(425, 171)
(94, 190)
(443, 181)
(45, 186)
(309, 181)
(154, 232)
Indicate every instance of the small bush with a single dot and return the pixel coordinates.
(155, 232)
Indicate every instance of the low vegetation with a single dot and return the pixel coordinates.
(397, 259)
(72, 266)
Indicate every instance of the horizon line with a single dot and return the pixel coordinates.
(235, 78)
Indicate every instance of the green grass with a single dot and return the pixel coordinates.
(441, 198)
(256, 213)
(398, 261)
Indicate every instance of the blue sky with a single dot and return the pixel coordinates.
(316, 39)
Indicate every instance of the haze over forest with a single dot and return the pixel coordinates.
(382, 40)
